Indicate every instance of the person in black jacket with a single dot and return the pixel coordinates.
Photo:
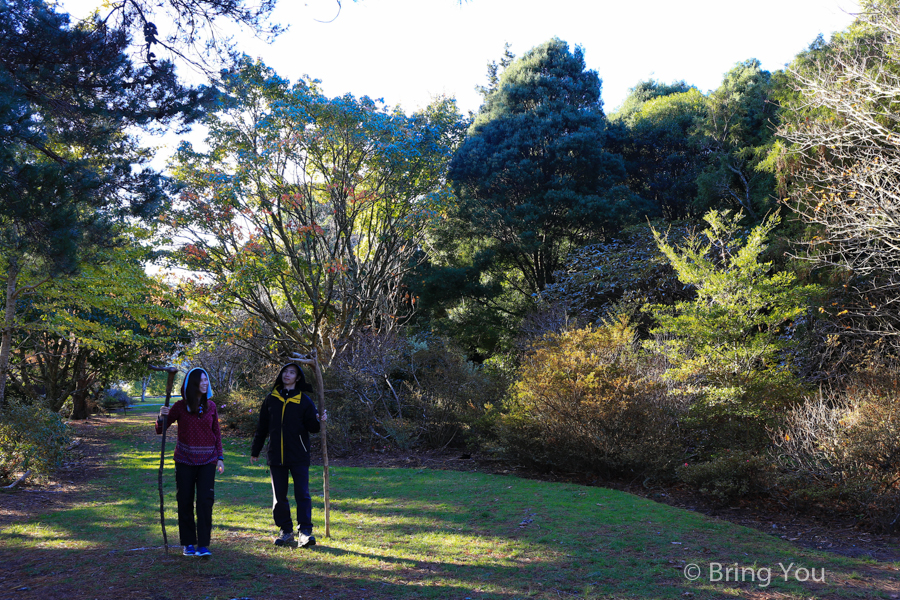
(287, 417)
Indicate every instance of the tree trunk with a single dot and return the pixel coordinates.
(82, 390)
(12, 276)
(79, 405)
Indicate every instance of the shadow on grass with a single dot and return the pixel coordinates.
(405, 534)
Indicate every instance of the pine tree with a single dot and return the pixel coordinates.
(533, 176)
(70, 173)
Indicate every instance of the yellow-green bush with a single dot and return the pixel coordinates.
(730, 347)
(31, 437)
(583, 400)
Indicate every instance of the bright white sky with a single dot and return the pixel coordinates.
(408, 51)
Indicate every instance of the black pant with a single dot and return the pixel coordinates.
(187, 478)
(281, 508)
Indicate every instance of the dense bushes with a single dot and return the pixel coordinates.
(239, 410)
(728, 475)
(584, 400)
(618, 275)
(31, 437)
(405, 393)
(842, 450)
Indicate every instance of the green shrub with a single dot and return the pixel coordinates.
(728, 476)
(583, 400)
(31, 437)
(730, 349)
(239, 410)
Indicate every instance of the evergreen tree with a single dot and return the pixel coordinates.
(738, 133)
(656, 134)
(534, 176)
(70, 173)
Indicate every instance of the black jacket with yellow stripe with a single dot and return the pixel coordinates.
(287, 418)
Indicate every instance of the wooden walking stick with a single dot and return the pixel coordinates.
(162, 454)
(313, 360)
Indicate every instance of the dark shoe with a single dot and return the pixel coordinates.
(285, 539)
(306, 539)
(203, 552)
(189, 550)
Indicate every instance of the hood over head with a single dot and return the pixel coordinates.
(301, 384)
(209, 392)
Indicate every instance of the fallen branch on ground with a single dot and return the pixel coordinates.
(18, 481)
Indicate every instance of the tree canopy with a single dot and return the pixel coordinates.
(534, 176)
(71, 170)
(737, 134)
(307, 211)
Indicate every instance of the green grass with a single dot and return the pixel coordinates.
(405, 533)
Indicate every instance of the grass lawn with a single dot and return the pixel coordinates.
(403, 533)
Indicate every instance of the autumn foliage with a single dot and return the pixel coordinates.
(584, 400)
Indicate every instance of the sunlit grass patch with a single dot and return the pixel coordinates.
(401, 533)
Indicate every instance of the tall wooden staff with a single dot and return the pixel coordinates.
(312, 360)
(162, 454)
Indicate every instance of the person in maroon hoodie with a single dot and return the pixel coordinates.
(198, 455)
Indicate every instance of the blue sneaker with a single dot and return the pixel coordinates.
(189, 550)
(203, 551)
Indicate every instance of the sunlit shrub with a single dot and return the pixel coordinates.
(731, 348)
(842, 450)
(31, 437)
(584, 400)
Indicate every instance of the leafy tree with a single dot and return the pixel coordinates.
(840, 165)
(738, 133)
(306, 212)
(730, 346)
(85, 331)
(662, 150)
(644, 92)
(534, 177)
(70, 173)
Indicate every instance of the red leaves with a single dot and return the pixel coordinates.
(313, 229)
